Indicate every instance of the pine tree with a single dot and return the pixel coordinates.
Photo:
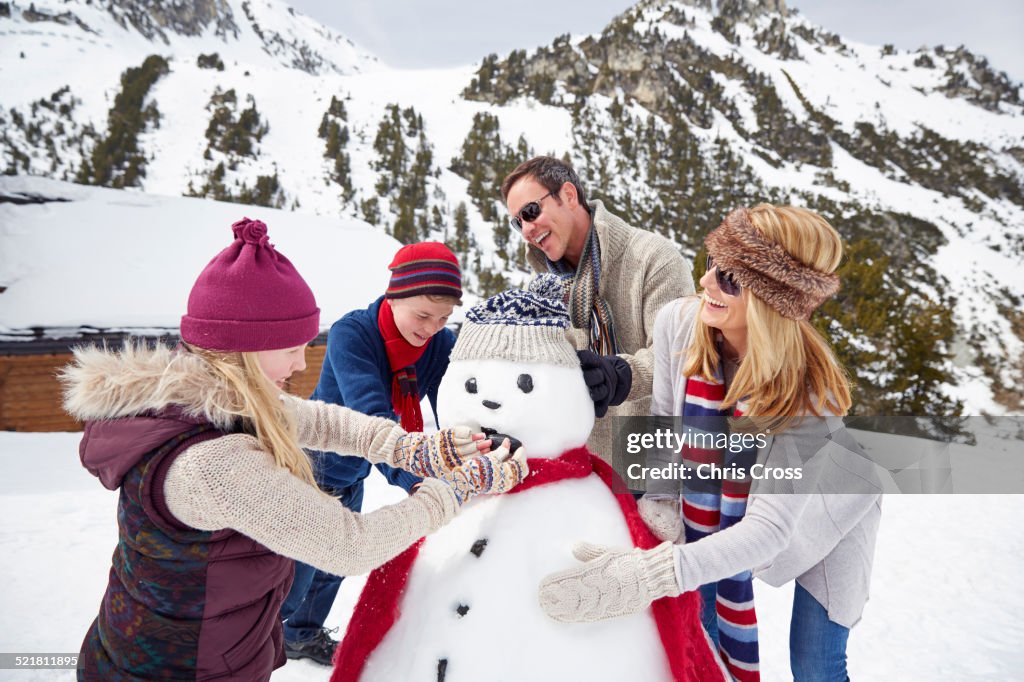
(404, 173)
(463, 240)
(484, 162)
(116, 160)
(336, 138)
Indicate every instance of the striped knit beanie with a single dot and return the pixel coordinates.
(520, 326)
(424, 268)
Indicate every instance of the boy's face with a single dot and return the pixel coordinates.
(418, 318)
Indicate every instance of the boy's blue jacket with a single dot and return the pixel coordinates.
(356, 374)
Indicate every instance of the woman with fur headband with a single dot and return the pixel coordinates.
(746, 348)
(217, 496)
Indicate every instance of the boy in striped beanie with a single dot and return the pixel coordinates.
(381, 361)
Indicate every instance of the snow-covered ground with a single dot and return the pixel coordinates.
(946, 602)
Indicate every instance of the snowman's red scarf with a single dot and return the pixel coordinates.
(678, 618)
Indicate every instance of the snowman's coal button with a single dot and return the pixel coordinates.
(462, 610)
(442, 668)
(478, 547)
(491, 405)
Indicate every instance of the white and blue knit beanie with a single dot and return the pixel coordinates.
(520, 326)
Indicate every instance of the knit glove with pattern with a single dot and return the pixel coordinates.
(663, 516)
(434, 455)
(492, 473)
(611, 583)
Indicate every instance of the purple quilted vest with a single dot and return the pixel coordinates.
(180, 603)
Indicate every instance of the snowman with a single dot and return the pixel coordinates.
(462, 604)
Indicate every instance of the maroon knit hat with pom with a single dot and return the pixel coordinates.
(250, 298)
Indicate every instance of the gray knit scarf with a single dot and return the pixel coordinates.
(587, 310)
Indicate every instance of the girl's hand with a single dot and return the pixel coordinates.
(435, 454)
(492, 473)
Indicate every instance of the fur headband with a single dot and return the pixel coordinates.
(790, 287)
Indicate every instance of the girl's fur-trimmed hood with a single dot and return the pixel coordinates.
(136, 399)
(113, 384)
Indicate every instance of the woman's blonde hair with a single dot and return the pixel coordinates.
(254, 398)
(788, 369)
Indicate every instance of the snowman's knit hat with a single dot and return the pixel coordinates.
(520, 326)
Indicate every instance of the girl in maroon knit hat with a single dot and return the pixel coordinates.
(217, 496)
(382, 361)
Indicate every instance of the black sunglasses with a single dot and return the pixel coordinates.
(529, 213)
(726, 283)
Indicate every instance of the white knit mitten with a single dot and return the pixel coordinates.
(663, 516)
(611, 583)
(434, 455)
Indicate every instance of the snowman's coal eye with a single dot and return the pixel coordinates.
(525, 383)
(471, 385)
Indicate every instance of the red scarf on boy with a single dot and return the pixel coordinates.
(402, 357)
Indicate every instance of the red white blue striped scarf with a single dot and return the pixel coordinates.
(713, 505)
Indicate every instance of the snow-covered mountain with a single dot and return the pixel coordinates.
(675, 112)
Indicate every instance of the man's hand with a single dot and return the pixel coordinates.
(608, 378)
(611, 583)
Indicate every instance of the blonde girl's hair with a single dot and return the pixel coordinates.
(789, 369)
(254, 398)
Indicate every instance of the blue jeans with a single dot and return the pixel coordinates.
(708, 615)
(817, 646)
(309, 602)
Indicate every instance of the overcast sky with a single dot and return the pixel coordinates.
(431, 33)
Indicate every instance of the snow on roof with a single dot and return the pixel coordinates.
(114, 259)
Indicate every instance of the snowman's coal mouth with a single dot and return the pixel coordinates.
(497, 438)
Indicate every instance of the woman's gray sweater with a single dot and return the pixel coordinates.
(821, 533)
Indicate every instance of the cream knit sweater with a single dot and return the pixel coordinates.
(230, 482)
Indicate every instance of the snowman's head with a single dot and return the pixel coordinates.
(513, 371)
(545, 406)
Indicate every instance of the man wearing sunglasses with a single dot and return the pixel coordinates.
(621, 277)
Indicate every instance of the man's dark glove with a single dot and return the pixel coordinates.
(608, 379)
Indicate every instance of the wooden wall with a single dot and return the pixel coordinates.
(30, 395)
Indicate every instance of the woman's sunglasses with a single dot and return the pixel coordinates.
(725, 280)
(528, 213)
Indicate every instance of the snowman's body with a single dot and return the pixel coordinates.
(469, 610)
(528, 535)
